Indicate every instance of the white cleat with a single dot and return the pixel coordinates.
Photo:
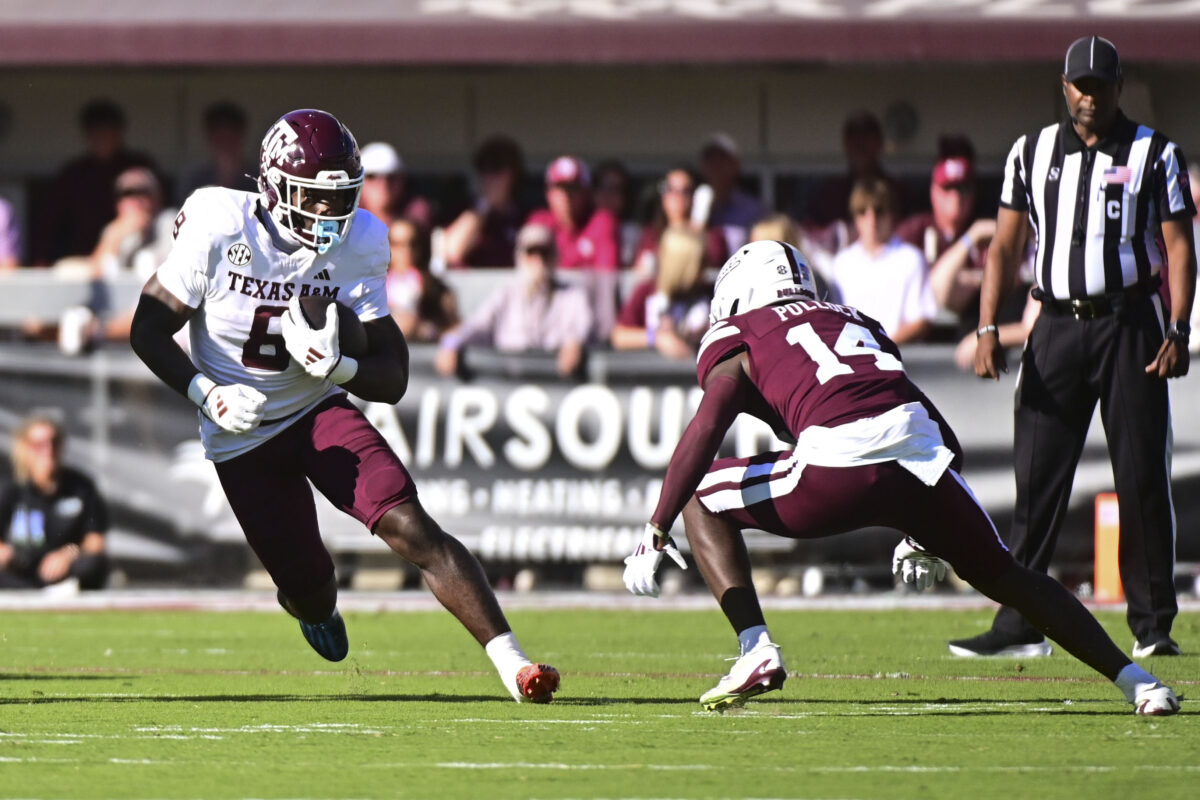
(760, 670)
(1156, 700)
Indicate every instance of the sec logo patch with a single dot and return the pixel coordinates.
(238, 255)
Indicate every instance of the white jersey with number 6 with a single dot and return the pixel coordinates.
(226, 264)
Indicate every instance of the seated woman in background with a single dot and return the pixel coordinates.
(674, 212)
(52, 519)
(669, 312)
(421, 303)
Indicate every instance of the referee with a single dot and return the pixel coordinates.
(1110, 203)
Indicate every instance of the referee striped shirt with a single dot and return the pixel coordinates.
(1097, 212)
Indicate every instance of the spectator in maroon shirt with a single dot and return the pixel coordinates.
(82, 199)
(585, 237)
(674, 212)
(485, 234)
(954, 242)
(669, 312)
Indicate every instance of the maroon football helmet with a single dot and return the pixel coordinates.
(310, 176)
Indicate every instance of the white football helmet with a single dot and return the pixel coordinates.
(761, 274)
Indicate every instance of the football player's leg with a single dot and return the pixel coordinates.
(274, 505)
(352, 465)
(953, 525)
(713, 521)
(458, 582)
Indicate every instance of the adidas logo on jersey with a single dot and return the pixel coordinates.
(323, 275)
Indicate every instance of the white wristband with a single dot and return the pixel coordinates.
(199, 388)
(345, 369)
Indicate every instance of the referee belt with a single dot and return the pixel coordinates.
(1100, 305)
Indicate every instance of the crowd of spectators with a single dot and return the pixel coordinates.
(602, 257)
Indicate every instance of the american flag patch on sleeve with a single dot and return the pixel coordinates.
(1117, 175)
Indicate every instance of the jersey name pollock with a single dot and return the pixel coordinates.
(225, 264)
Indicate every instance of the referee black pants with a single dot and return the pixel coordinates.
(1068, 364)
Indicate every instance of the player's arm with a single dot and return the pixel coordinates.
(158, 317)
(726, 390)
(1004, 257)
(725, 395)
(382, 375)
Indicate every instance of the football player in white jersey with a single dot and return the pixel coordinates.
(271, 389)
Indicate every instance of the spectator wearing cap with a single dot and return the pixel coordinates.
(224, 125)
(385, 184)
(676, 196)
(953, 241)
(732, 211)
(586, 237)
(82, 199)
(879, 274)
(862, 143)
(535, 311)
(485, 234)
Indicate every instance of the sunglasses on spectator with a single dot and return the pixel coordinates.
(878, 209)
(537, 250)
(400, 242)
(135, 191)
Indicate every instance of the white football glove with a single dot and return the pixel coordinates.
(316, 349)
(641, 565)
(914, 565)
(235, 407)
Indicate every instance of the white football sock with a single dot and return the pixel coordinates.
(752, 637)
(508, 657)
(1132, 680)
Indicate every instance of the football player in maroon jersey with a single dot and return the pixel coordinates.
(869, 449)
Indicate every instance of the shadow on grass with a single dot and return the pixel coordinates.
(336, 698)
(945, 707)
(25, 676)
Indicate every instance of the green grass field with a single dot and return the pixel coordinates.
(213, 705)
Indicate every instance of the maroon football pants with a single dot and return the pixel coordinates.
(774, 493)
(347, 460)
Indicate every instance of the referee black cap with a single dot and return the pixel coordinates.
(1094, 57)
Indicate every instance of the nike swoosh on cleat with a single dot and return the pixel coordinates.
(760, 675)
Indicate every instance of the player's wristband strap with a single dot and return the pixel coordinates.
(199, 389)
(344, 370)
(987, 329)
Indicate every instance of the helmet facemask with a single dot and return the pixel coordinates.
(315, 212)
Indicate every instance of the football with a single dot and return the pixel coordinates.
(352, 336)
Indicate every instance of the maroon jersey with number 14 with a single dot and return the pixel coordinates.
(815, 363)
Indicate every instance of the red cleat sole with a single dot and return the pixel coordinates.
(538, 682)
